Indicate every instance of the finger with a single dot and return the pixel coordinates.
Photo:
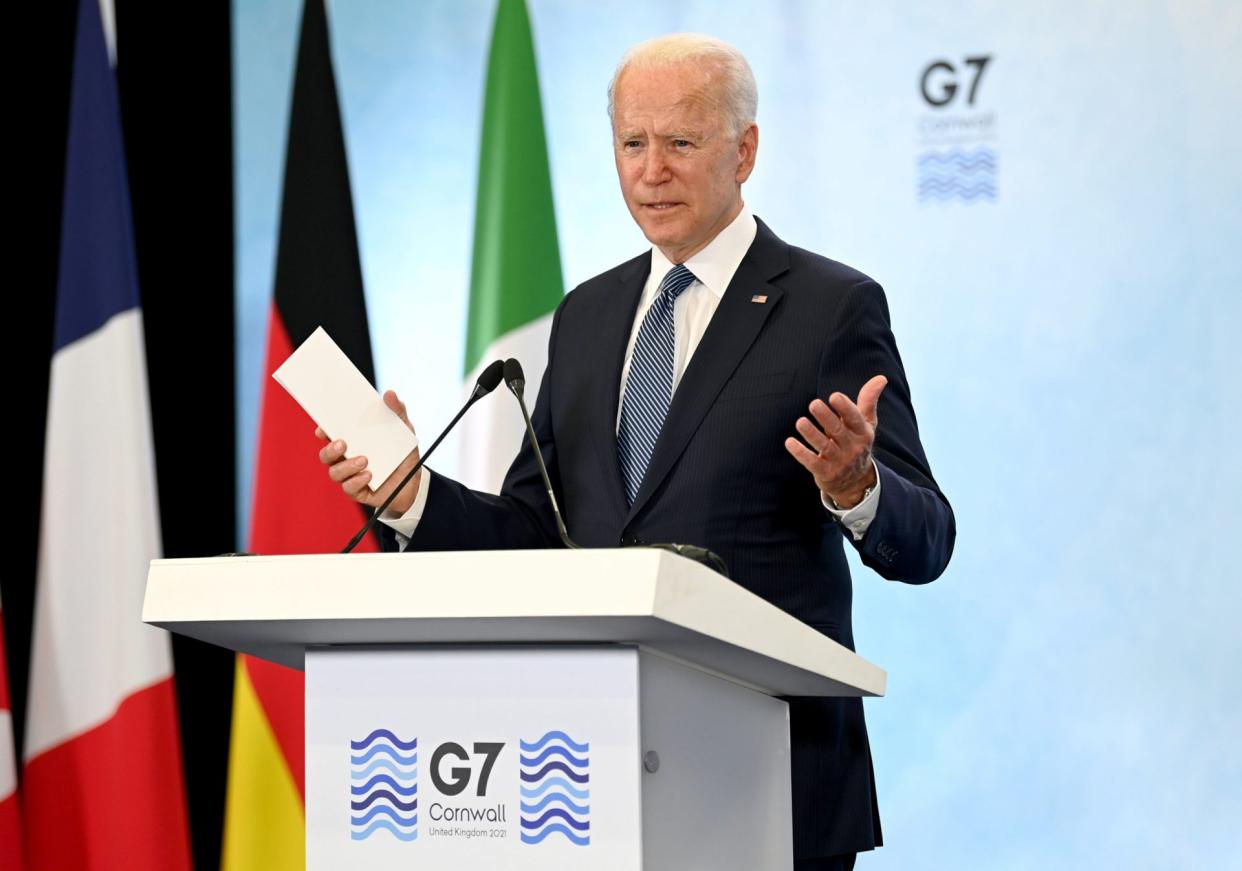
(814, 435)
(343, 470)
(850, 415)
(809, 460)
(332, 452)
(392, 401)
(319, 433)
(356, 487)
(869, 398)
(827, 418)
(822, 468)
(842, 436)
(398, 407)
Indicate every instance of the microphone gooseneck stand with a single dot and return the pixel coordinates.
(516, 382)
(485, 384)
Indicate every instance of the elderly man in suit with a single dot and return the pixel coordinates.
(675, 385)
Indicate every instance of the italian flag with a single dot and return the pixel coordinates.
(516, 280)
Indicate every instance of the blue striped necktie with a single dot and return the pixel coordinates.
(649, 385)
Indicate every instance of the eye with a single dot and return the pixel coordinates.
(682, 144)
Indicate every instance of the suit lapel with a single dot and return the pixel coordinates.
(733, 329)
(615, 322)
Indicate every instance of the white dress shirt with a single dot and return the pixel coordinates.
(713, 269)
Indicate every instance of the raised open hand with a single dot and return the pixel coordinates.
(839, 456)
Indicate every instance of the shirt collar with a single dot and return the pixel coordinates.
(715, 265)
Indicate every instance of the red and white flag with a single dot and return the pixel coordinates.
(10, 822)
(103, 783)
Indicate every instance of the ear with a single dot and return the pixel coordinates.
(747, 147)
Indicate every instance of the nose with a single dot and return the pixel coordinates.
(655, 167)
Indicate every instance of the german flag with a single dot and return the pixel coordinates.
(297, 509)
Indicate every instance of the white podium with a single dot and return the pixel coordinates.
(593, 709)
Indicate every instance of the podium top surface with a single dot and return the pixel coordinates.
(275, 607)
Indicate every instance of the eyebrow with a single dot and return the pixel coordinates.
(678, 133)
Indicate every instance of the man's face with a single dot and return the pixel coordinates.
(680, 167)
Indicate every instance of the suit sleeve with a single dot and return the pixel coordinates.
(912, 535)
(458, 518)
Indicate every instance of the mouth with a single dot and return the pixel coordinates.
(660, 207)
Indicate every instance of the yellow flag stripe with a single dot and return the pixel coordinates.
(264, 824)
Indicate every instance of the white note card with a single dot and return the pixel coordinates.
(343, 403)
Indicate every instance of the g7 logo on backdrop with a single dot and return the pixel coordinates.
(940, 80)
(459, 776)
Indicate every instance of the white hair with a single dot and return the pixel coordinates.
(739, 94)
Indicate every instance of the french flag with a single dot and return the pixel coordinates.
(10, 822)
(103, 786)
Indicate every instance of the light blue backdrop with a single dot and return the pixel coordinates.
(1068, 694)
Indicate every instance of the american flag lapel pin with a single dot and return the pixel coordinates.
(759, 298)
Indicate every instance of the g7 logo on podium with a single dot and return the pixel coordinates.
(459, 776)
(940, 83)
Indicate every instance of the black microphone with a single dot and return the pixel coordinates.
(486, 383)
(516, 383)
(700, 555)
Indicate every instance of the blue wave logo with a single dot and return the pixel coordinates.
(556, 792)
(383, 773)
(962, 174)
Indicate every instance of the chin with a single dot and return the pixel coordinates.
(662, 233)
(658, 235)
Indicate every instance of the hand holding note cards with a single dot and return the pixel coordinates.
(330, 389)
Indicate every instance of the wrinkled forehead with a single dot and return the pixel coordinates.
(668, 98)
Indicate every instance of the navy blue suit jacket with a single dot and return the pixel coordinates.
(721, 478)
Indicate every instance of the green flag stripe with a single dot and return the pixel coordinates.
(516, 275)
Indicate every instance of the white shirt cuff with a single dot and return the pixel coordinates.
(857, 519)
(405, 524)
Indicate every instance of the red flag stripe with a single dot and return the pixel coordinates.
(10, 821)
(280, 692)
(10, 835)
(297, 507)
(97, 802)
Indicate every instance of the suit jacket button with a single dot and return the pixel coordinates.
(886, 552)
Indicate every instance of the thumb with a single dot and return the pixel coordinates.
(869, 398)
(398, 407)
